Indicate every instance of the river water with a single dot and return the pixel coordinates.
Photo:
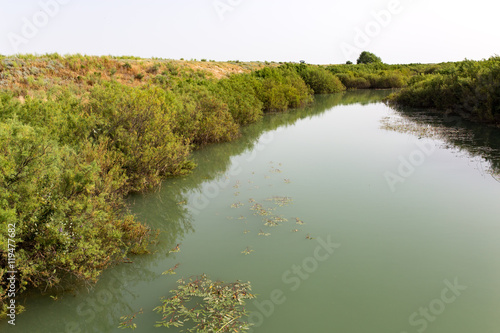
(386, 222)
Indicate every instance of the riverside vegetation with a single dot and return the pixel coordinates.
(79, 133)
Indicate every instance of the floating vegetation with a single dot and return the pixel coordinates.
(205, 306)
(295, 230)
(237, 185)
(251, 200)
(274, 221)
(263, 212)
(262, 233)
(250, 182)
(175, 249)
(246, 231)
(236, 194)
(281, 201)
(271, 223)
(267, 177)
(256, 206)
(171, 271)
(309, 237)
(247, 251)
(237, 204)
(287, 181)
(229, 217)
(182, 202)
(242, 218)
(127, 321)
(299, 221)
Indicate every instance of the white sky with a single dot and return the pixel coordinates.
(316, 31)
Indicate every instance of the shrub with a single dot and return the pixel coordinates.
(138, 124)
(281, 88)
(320, 80)
(205, 118)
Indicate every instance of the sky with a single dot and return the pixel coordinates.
(316, 31)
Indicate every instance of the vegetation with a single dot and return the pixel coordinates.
(470, 89)
(368, 58)
(79, 133)
(209, 306)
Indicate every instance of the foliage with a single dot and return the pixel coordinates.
(138, 127)
(368, 58)
(320, 80)
(206, 306)
(281, 88)
(468, 88)
(240, 94)
(68, 216)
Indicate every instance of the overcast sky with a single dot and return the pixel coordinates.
(317, 31)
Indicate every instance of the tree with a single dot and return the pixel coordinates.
(349, 62)
(368, 58)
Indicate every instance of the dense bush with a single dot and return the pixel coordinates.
(240, 94)
(138, 125)
(205, 118)
(469, 88)
(281, 88)
(320, 80)
(65, 206)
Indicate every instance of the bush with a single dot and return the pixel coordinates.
(469, 88)
(281, 88)
(205, 118)
(138, 125)
(65, 208)
(320, 80)
(240, 95)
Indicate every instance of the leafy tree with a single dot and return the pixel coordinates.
(368, 58)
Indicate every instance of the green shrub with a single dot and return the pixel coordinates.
(281, 88)
(205, 118)
(239, 93)
(469, 88)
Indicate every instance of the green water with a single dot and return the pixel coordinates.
(404, 230)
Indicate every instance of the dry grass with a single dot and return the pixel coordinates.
(34, 75)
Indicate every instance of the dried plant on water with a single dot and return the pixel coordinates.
(247, 251)
(237, 204)
(201, 305)
(127, 321)
(262, 233)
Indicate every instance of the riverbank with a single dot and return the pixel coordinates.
(469, 89)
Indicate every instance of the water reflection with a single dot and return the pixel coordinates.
(476, 140)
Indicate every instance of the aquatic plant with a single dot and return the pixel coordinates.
(247, 251)
(262, 233)
(201, 305)
(171, 271)
(237, 204)
(175, 249)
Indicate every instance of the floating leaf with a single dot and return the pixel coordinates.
(237, 204)
(262, 233)
(175, 249)
(171, 271)
(247, 251)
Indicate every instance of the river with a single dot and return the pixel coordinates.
(381, 221)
